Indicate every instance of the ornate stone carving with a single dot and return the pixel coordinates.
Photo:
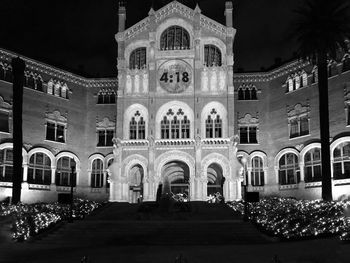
(105, 123)
(298, 110)
(56, 116)
(248, 119)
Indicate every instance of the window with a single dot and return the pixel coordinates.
(64, 176)
(257, 175)
(346, 63)
(296, 81)
(39, 169)
(39, 83)
(4, 121)
(138, 58)
(175, 126)
(8, 74)
(2, 72)
(289, 172)
(106, 97)
(348, 114)
(247, 93)
(212, 56)
(174, 38)
(248, 134)
(6, 165)
(213, 125)
(165, 127)
(105, 137)
(341, 161)
(55, 132)
(137, 127)
(314, 76)
(97, 174)
(298, 126)
(312, 169)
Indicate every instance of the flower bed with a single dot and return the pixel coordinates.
(288, 218)
(31, 219)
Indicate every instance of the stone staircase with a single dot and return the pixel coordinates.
(122, 225)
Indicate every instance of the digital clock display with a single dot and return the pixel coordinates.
(175, 76)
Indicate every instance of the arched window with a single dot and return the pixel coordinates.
(289, 172)
(346, 63)
(175, 37)
(39, 169)
(185, 128)
(247, 94)
(8, 74)
(253, 94)
(218, 126)
(212, 56)
(137, 127)
(138, 58)
(257, 177)
(97, 174)
(141, 129)
(213, 125)
(209, 125)
(175, 128)
(165, 127)
(39, 84)
(175, 125)
(6, 165)
(64, 175)
(312, 162)
(64, 91)
(105, 97)
(240, 94)
(2, 72)
(341, 161)
(31, 82)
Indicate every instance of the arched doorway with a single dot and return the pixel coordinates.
(135, 181)
(176, 179)
(215, 180)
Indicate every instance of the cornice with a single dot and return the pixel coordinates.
(56, 73)
(286, 69)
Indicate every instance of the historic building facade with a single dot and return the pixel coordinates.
(177, 120)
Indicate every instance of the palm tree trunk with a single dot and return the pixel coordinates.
(18, 67)
(324, 125)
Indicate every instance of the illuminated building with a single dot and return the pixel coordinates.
(174, 112)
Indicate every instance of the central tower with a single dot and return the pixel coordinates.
(175, 107)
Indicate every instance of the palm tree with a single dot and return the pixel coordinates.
(321, 28)
(18, 67)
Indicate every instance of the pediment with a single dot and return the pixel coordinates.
(169, 10)
(105, 123)
(56, 116)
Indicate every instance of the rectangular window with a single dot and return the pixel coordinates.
(294, 128)
(105, 138)
(4, 122)
(252, 135)
(243, 133)
(55, 132)
(101, 138)
(304, 126)
(109, 138)
(248, 134)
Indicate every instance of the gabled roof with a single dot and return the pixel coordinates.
(171, 8)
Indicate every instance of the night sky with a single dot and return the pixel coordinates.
(78, 35)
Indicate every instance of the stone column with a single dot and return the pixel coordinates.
(25, 185)
(53, 178)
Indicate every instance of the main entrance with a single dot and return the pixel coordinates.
(176, 180)
(136, 184)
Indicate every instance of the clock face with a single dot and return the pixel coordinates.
(175, 76)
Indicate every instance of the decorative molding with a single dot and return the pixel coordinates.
(105, 123)
(297, 110)
(56, 116)
(248, 120)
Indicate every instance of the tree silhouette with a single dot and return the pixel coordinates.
(321, 28)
